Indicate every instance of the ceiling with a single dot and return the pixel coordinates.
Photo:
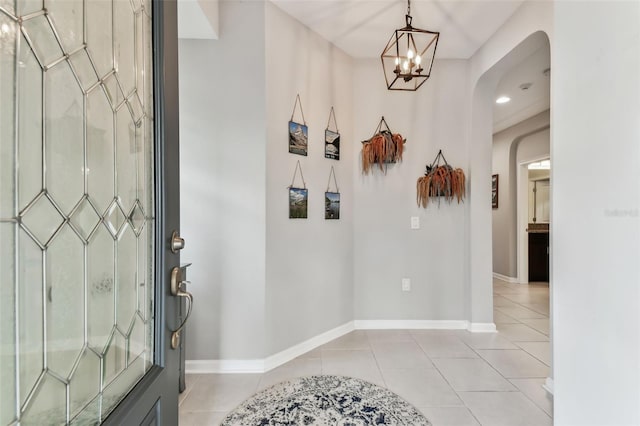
(362, 27)
(524, 103)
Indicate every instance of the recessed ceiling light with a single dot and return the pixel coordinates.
(503, 100)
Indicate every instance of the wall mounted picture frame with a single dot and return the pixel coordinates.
(298, 197)
(298, 138)
(298, 203)
(331, 205)
(298, 132)
(331, 144)
(494, 191)
(332, 138)
(332, 198)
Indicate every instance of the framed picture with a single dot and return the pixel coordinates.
(332, 205)
(494, 191)
(298, 137)
(331, 144)
(298, 200)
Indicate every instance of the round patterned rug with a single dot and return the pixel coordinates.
(325, 400)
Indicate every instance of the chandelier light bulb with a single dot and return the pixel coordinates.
(410, 54)
(397, 60)
(405, 65)
(418, 59)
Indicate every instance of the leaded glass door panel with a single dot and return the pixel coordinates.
(85, 208)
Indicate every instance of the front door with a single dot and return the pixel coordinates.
(89, 198)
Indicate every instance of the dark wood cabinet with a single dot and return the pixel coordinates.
(539, 256)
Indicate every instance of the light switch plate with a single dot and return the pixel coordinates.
(406, 284)
(415, 222)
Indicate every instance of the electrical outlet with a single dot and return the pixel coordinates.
(415, 222)
(406, 284)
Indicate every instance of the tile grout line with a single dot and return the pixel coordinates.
(375, 358)
(447, 381)
(458, 393)
(491, 365)
(542, 361)
(188, 389)
(530, 399)
(546, 316)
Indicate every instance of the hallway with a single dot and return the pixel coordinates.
(454, 377)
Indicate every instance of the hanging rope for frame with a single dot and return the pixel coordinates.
(295, 172)
(384, 147)
(441, 180)
(335, 182)
(332, 114)
(296, 104)
(298, 132)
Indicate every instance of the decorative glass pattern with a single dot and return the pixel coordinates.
(85, 219)
(76, 207)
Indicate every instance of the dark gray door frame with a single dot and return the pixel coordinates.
(154, 400)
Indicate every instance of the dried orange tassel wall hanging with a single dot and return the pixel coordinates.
(442, 181)
(383, 148)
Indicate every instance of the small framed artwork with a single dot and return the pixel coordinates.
(494, 191)
(332, 205)
(331, 144)
(298, 200)
(298, 137)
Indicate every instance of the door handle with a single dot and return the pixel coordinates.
(177, 289)
(177, 243)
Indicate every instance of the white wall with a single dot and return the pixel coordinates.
(198, 19)
(223, 169)
(516, 40)
(595, 212)
(594, 109)
(534, 146)
(386, 249)
(309, 269)
(262, 282)
(595, 298)
(527, 140)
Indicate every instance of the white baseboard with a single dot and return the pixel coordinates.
(482, 327)
(295, 351)
(217, 366)
(410, 325)
(501, 277)
(548, 385)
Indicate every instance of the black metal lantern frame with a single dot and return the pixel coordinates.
(408, 58)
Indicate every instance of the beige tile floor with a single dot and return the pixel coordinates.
(454, 377)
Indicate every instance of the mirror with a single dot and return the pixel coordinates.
(539, 185)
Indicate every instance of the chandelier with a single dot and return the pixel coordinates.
(408, 58)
